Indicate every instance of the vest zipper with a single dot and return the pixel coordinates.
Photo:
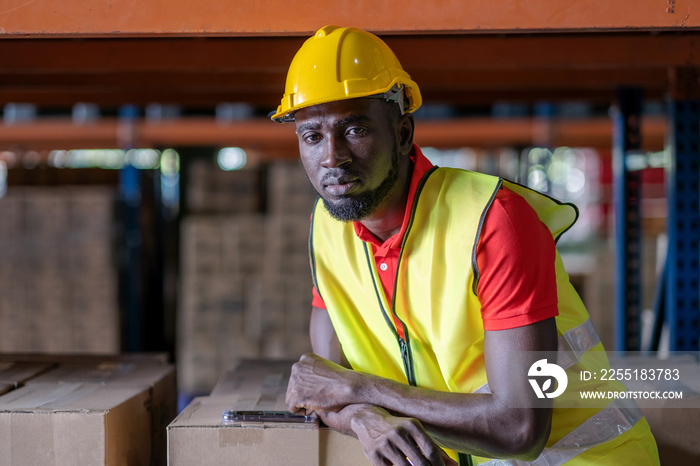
(393, 322)
(404, 340)
(407, 359)
(401, 338)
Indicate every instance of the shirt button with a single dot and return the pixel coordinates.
(383, 266)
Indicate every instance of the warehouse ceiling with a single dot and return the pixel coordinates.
(460, 70)
(467, 58)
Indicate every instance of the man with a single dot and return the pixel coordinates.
(428, 281)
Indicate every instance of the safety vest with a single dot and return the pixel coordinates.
(431, 334)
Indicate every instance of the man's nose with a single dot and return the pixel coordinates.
(335, 153)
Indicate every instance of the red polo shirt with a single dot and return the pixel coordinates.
(515, 256)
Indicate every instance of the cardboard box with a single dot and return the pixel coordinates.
(75, 423)
(261, 381)
(240, 292)
(15, 374)
(55, 358)
(158, 379)
(199, 436)
(289, 190)
(674, 423)
(221, 263)
(58, 252)
(129, 373)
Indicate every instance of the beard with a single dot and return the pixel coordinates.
(350, 209)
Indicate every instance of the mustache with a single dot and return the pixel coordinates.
(335, 174)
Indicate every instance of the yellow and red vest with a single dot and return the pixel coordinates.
(436, 304)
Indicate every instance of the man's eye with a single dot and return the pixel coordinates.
(311, 138)
(356, 132)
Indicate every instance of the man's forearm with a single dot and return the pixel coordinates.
(480, 424)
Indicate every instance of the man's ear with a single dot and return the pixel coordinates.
(406, 128)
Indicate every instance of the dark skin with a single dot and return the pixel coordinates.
(348, 151)
(396, 423)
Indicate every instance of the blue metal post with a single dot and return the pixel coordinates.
(130, 196)
(626, 209)
(683, 188)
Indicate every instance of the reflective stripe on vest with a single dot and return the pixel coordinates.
(615, 419)
(576, 341)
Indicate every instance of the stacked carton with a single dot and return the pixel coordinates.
(220, 277)
(286, 299)
(286, 274)
(245, 282)
(212, 190)
(87, 410)
(59, 287)
(289, 189)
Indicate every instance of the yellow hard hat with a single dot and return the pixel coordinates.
(345, 63)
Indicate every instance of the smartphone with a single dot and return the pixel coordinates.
(230, 415)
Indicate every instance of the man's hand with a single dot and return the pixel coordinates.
(388, 439)
(317, 384)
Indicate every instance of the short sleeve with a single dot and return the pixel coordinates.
(316, 300)
(515, 256)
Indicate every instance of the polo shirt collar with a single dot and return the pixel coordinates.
(421, 165)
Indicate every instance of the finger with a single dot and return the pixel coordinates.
(446, 458)
(407, 449)
(409, 453)
(380, 459)
(291, 398)
(395, 458)
(424, 447)
(292, 408)
(396, 450)
(300, 410)
(293, 405)
(398, 458)
(449, 461)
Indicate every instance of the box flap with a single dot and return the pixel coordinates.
(16, 373)
(112, 372)
(66, 397)
(161, 358)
